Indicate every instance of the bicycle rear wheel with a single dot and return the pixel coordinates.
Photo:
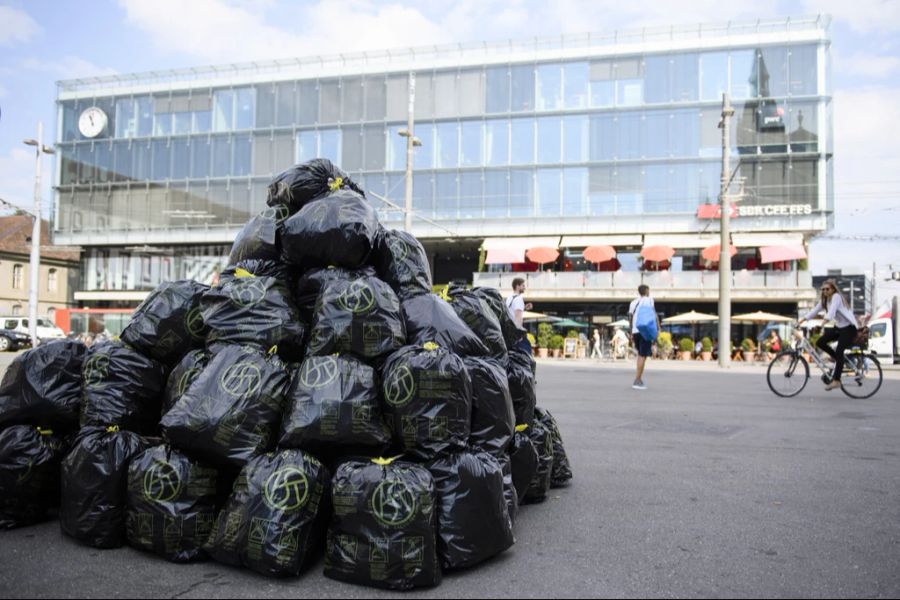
(862, 375)
(787, 375)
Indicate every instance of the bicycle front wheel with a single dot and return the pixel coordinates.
(787, 375)
(862, 375)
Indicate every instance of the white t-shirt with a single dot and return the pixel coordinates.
(514, 303)
(836, 312)
(633, 308)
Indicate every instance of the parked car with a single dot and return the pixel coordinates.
(13, 340)
(46, 330)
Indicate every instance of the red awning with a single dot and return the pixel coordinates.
(657, 253)
(542, 254)
(599, 254)
(713, 253)
(770, 254)
(502, 256)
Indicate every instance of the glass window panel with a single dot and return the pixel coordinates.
(446, 195)
(710, 134)
(239, 199)
(684, 133)
(144, 108)
(161, 160)
(575, 191)
(69, 166)
(351, 99)
(202, 121)
(329, 101)
(549, 139)
(521, 193)
(287, 100)
(803, 127)
(496, 133)
(471, 138)
(122, 155)
(772, 183)
(548, 190)
(445, 94)
(423, 156)
(263, 154)
(709, 183)
(629, 68)
(549, 87)
(70, 114)
(496, 194)
(522, 144)
(424, 101)
(575, 138)
(103, 160)
(803, 70)
(629, 190)
(374, 139)
(221, 162)
(471, 204)
(243, 154)
(629, 92)
(181, 159)
(375, 98)
(603, 94)
(773, 72)
(245, 107)
(770, 126)
(497, 89)
(447, 145)
(743, 74)
(522, 88)
(470, 91)
(685, 77)
(351, 149)
(684, 186)
(307, 146)
(162, 123)
(743, 130)
(655, 134)
(284, 151)
(126, 121)
(628, 135)
(396, 143)
(182, 124)
(397, 97)
(265, 105)
(575, 84)
(201, 149)
(601, 191)
(423, 195)
(656, 184)
(330, 145)
(804, 182)
(603, 137)
(223, 110)
(658, 77)
(307, 102)
(713, 75)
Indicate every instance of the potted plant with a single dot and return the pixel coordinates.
(664, 344)
(706, 348)
(545, 332)
(686, 347)
(556, 345)
(532, 342)
(748, 349)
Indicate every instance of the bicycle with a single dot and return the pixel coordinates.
(788, 372)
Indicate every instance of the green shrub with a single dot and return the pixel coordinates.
(556, 342)
(545, 332)
(572, 334)
(747, 345)
(706, 344)
(664, 341)
(686, 344)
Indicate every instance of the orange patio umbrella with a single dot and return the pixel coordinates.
(542, 254)
(599, 254)
(657, 253)
(712, 253)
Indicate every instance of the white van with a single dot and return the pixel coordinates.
(46, 330)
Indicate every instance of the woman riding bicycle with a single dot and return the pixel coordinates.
(832, 302)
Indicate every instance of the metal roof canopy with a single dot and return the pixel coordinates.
(576, 241)
(519, 243)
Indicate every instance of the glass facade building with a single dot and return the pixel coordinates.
(611, 134)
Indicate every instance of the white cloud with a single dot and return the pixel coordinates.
(861, 15)
(16, 26)
(67, 67)
(864, 64)
(17, 177)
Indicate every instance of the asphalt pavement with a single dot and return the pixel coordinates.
(704, 485)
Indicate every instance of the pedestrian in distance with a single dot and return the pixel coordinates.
(644, 329)
(832, 302)
(516, 301)
(595, 345)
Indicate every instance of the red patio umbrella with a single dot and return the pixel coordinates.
(657, 253)
(712, 253)
(542, 254)
(599, 254)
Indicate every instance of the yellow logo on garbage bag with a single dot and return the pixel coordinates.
(247, 292)
(162, 482)
(399, 249)
(241, 379)
(357, 297)
(286, 489)
(96, 370)
(393, 504)
(319, 372)
(399, 386)
(193, 322)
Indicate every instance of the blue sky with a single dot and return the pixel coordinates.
(42, 41)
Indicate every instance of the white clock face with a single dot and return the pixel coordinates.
(92, 122)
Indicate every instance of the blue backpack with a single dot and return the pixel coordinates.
(645, 320)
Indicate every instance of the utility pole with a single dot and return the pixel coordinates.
(725, 242)
(408, 205)
(35, 277)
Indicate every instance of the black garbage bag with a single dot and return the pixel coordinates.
(512, 333)
(521, 388)
(524, 358)
(429, 318)
(428, 400)
(357, 314)
(258, 239)
(382, 532)
(274, 522)
(183, 375)
(171, 504)
(337, 229)
(43, 386)
(95, 485)
(299, 185)
(523, 458)
(540, 484)
(29, 474)
(472, 516)
(402, 262)
(477, 314)
(250, 309)
(168, 322)
(334, 409)
(509, 489)
(258, 268)
(309, 286)
(493, 419)
(121, 387)
(562, 470)
(233, 410)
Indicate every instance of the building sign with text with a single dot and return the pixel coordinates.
(713, 211)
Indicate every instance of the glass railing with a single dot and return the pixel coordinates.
(597, 281)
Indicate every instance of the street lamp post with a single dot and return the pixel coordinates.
(725, 242)
(34, 280)
(411, 142)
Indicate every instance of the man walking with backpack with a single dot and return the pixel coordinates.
(644, 329)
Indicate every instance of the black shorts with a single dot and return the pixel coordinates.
(644, 347)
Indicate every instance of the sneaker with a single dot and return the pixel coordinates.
(638, 385)
(834, 385)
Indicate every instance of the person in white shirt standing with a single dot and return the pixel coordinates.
(516, 302)
(643, 342)
(832, 302)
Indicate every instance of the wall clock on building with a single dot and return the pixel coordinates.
(92, 122)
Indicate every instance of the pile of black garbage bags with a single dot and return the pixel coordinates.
(319, 399)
